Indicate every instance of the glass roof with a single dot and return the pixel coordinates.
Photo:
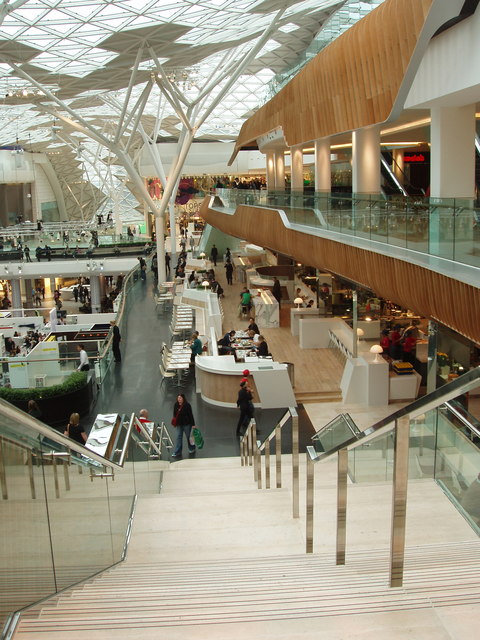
(84, 51)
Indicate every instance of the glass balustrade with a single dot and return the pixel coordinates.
(447, 228)
(65, 511)
(442, 447)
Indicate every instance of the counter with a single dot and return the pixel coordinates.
(267, 313)
(218, 381)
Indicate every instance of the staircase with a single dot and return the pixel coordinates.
(213, 557)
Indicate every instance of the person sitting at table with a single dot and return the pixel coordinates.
(245, 300)
(253, 336)
(253, 326)
(262, 347)
(224, 344)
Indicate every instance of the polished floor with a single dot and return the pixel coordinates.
(136, 383)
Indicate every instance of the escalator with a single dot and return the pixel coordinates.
(391, 184)
(66, 510)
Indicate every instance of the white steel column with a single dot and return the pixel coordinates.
(453, 152)
(323, 169)
(16, 297)
(366, 160)
(95, 294)
(271, 170)
(296, 159)
(398, 166)
(279, 171)
(160, 235)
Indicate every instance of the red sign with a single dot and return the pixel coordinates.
(414, 157)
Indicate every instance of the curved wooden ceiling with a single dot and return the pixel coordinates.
(350, 84)
(453, 303)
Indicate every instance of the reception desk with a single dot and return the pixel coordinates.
(218, 381)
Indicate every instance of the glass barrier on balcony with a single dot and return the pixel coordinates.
(337, 433)
(447, 228)
(65, 511)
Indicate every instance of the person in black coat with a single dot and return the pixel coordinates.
(183, 422)
(116, 339)
(245, 404)
(253, 326)
(229, 272)
(262, 347)
(277, 290)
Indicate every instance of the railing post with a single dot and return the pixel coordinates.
(3, 475)
(309, 500)
(249, 447)
(278, 457)
(295, 465)
(399, 502)
(30, 474)
(267, 464)
(342, 505)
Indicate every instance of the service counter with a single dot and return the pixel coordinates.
(218, 381)
(266, 307)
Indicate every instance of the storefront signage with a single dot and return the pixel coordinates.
(416, 157)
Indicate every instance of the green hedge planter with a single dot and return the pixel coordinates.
(58, 401)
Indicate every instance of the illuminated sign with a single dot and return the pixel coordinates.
(416, 157)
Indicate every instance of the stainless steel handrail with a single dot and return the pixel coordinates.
(251, 450)
(462, 384)
(42, 429)
(463, 419)
(399, 423)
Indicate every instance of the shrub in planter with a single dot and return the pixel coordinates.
(56, 402)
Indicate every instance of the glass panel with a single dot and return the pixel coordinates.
(372, 461)
(25, 554)
(78, 515)
(457, 467)
(335, 434)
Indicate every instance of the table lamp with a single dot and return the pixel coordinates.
(377, 350)
(298, 302)
(205, 284)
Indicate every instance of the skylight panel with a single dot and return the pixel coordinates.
(289, 27)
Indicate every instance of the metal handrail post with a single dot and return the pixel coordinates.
(278, 457)
(253, 432)
(311, 454)
(342, 505)
(267, 464)
(258, 458)
(250, 446)
(295, 465)
(399, 502)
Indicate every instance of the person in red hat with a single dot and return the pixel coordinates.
(245, 404)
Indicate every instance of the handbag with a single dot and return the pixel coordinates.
(174, 419)
(198, 438)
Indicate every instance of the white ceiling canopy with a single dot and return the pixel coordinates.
(83, 52)
(82, 48)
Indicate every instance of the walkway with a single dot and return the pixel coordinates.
(135, 383)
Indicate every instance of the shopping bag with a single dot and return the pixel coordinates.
(197, 436)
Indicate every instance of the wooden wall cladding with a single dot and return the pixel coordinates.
(219, 387)
(449, 301)
(351, 84)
